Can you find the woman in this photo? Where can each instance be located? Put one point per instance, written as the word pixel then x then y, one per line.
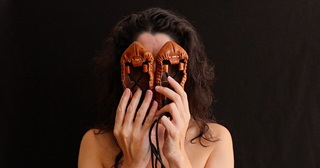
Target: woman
pixel 189 137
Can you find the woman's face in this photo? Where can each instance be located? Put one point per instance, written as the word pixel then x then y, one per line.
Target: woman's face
pixel 153 42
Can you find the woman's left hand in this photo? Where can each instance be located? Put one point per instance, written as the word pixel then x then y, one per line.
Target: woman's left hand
pixel 176 128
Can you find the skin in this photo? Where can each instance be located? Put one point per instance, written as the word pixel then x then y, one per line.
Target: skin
pixel 99 150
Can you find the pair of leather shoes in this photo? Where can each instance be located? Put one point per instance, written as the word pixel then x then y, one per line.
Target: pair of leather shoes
pixel 137 68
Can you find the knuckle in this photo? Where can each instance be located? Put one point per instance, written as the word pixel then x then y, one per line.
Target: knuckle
pixel 124 134
pixel 177 97
pixel 130 108
pixel 171 106
pixel 119 109
pixel 139 113
pixel 115 133
pixel 184 95
pixel 148 120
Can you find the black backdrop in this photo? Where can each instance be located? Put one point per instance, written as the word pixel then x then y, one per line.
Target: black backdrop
pixel 267 63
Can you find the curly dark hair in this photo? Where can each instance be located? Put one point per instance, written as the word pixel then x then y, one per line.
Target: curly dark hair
pixel 155 20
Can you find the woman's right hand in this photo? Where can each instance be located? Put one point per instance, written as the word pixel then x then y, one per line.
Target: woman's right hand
pixel 132 134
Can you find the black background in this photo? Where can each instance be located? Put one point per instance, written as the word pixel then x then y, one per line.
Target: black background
pixel 267 61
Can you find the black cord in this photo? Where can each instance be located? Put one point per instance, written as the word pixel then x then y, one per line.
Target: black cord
pixel 155 150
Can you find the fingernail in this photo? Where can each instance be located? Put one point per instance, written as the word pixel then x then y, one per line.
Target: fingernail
pixel 154 103
pixel 127 90
pixel 157 87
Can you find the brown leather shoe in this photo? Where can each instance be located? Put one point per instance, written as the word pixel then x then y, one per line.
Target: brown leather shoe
pixel 137 65
pixel 171 61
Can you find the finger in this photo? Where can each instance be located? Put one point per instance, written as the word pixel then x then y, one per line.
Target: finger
pixel 121 109
pixel 173 110
pixel 167 92
pixel 169 126
pixel 151 116
pixel 178 89
pixel 143 108
pixel 170 94
pixel 131 109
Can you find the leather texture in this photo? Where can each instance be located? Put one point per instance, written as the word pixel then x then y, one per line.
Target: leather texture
pixel 172 61
pixel 137 68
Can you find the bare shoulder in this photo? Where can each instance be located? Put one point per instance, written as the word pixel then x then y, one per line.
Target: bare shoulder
pixel 97 149
pixel 219 132
pixel 222 151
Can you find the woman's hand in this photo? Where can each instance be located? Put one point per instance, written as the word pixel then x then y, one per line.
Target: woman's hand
pixel 176 128
pixel 130 131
